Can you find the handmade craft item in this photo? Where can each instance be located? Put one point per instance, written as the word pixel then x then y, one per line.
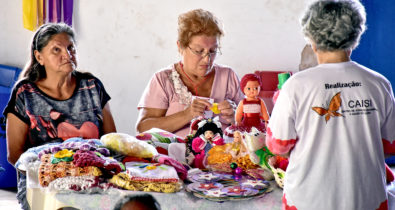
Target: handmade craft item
pixel 128 145
pixel 208 135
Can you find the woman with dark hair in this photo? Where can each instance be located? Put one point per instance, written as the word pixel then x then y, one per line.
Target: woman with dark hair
pixel 52 101
pixel 208 135
pixel 336 120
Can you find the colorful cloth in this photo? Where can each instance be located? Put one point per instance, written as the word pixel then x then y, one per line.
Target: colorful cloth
pixel 334 119
pixel 160 92
pixel 52 120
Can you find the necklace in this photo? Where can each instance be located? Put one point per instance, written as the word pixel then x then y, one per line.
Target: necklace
pixel 195 85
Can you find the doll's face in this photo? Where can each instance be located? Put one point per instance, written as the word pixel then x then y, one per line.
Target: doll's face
pixel 236 137
pixel 252 88
pixel 208 134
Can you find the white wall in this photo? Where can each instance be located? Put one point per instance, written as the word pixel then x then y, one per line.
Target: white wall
pixel 125 42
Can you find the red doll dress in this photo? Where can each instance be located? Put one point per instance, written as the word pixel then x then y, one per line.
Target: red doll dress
pixel 252 115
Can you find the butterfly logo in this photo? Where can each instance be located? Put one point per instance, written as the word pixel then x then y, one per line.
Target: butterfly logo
pixel 331 111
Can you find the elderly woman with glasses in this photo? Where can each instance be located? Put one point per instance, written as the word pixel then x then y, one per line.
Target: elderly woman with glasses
pixel 185 90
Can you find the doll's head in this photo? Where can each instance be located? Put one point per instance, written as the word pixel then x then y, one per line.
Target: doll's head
pixel 237 137
pixel 250 84
pixel 209 128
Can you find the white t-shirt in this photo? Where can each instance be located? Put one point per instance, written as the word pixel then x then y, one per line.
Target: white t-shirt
pixel 334 119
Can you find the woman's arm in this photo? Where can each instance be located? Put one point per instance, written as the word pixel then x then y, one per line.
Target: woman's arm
pixel 108 120
pixel 155 118
pixel 17 132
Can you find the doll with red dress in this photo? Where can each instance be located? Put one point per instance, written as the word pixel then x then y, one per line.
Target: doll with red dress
pixel 208 134
pixel 251 111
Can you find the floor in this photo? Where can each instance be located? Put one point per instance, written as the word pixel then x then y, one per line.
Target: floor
pixel 8 200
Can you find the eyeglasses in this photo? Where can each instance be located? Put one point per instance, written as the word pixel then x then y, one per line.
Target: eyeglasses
pixel 201 54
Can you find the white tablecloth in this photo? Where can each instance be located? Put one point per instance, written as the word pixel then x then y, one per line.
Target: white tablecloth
pixel 41 199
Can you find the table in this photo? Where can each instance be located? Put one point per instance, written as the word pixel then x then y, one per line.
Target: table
pixel 40 199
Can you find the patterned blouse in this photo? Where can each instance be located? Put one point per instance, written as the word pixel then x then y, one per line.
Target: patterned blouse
pixel 52 120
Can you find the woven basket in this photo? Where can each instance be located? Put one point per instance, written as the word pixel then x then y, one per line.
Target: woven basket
pixel 279 175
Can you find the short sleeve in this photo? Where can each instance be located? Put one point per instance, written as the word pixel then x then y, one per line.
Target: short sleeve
pixel 387 128
pixel 16 104
pixel 154 95
pixel 233 91
pixel 104 97
pixel 282 120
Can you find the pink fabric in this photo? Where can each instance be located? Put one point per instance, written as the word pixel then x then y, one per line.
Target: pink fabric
pixel 160 92
pixel 181 170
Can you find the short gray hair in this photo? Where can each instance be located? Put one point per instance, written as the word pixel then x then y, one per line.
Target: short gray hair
pixel 334 24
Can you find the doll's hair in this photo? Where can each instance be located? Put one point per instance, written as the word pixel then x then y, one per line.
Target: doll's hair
pixel 247 78
pixel 208 126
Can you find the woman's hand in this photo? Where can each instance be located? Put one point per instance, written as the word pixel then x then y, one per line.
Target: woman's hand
pixel 227 109
pixel 197 107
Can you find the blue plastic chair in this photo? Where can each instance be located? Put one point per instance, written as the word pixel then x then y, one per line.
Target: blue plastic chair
pixel 8 77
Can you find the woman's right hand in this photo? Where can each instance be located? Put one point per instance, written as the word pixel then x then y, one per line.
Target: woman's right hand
pixel 197 107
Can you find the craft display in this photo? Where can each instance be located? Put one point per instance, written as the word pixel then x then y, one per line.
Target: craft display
pixel 49 170
pixel 155 177
pixel 81 184
pixel 216 186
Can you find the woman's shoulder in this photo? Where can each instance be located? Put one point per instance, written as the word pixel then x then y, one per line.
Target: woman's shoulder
pixel 25 84
pixel 165 71
pixel 223 68
pixel 87 77
pixel 84 75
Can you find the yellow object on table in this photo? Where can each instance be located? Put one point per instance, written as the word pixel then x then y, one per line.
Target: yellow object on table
pixel 215 109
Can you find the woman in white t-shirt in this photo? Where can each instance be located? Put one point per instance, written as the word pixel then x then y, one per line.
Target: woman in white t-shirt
pixel 336 120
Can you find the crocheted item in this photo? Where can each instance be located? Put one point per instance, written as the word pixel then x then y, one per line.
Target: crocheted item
pixel 123 180
pixel 83 184
pixel 76 144
pixel 89 158
pixel 48 172
pixel 128 145
pixel 151 172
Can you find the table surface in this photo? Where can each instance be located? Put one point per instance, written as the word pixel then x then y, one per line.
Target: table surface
pixel 42 199
pixel 39 198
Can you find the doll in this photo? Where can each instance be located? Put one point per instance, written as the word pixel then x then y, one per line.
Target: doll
pixel 251 111
pixel 208 135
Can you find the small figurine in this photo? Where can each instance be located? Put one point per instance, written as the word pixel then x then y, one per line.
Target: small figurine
pixel 238 148
pixel 251 111
pixel 208 135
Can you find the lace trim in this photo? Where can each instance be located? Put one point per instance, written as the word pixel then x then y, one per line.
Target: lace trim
pixel 185 97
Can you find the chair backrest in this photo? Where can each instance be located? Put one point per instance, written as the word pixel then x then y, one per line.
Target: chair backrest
pixel 8 75
pixel 269 81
